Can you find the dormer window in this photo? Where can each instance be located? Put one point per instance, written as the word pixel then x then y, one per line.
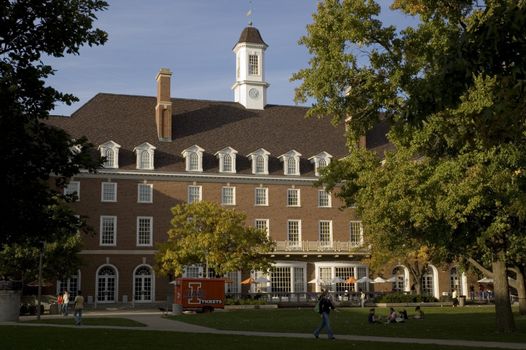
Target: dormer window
pixel 291 162
pixel 259 161
pixel 321 160
pixel 194 158
pixel 110 151
pixel 144 156
pixel 227 160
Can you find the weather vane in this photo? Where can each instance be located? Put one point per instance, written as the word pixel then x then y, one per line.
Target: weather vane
pixel 249 13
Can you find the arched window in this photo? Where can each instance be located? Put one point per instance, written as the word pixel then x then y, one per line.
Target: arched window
pixel 143 284
pixel 106 284
pixel 322 163
pixel 145 160
pixel 399 274
pixel 194 161
pixel 454 281
pixel 227 163
pixel 427 282
pixel 110 158
pixel 260 164
pixel 291 166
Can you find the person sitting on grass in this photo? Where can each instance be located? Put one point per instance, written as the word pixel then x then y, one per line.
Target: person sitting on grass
pixel 372 318
pixel 403 314
pixel 394 317
pixel 419 314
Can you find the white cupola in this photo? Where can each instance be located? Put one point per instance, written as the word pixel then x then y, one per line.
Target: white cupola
pixel 250 88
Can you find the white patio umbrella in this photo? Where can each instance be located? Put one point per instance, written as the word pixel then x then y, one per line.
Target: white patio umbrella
pixel 262 280
pixel 485 280
pixel 317 280
pixel 337 280
pixel 365 279
pixel 379 280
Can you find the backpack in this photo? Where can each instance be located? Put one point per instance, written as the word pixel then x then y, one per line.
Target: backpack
pixel 317 307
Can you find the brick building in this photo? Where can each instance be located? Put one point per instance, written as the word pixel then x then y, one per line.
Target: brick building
pixel 258 158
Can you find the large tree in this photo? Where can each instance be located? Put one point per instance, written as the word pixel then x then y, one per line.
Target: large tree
pixel 395 209
pixel 452 89
pixel 32 151
pixel 206 234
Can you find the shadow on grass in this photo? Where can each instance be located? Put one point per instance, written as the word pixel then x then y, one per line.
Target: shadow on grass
pixel 92 321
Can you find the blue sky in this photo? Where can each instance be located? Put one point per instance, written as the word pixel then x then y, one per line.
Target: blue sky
pixel 194 38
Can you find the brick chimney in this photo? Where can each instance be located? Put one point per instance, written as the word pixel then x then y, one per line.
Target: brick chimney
pixel 163 109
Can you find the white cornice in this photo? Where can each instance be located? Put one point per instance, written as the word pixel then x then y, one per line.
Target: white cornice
pixel 210 177
pixel 117 252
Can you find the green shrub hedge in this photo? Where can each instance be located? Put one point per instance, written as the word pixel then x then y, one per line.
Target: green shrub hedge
pixel 245 301
pixel 399 297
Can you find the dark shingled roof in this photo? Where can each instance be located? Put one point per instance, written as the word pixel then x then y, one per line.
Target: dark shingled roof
pixel 251 35
pixel 212 125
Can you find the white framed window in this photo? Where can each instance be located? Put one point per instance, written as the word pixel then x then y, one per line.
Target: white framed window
pixel 227 160
pixel 262 224
pixel 325 272
pixel 73 188
pixel 259 159
pixel 293 197
pixel 194 158
pixel 110 151
pixel 325 233
pixel 108 192
pixel 107 284
pixel 194 161
pixel 288 277
pixel 356 233
pixel 261 196
pixel 145 156
pixel 145 193
pixel 291 162
pixel 108 230
pixel 71 284
pixel 234 286
pixel 324 199
pixel 320 161
pixel 143 284
pixel 228 195
pixel 294 233
pixel 253 65
pixel 194 194
pixel 144 231
pixel 193 271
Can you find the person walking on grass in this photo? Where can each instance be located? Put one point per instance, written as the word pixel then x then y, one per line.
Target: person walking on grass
pixel 78 305
pixel 325 309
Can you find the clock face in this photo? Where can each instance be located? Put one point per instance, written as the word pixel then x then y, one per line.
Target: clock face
pixel 254 93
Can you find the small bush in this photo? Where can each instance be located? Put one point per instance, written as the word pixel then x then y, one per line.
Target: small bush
pixel 247 301
pixel 399 297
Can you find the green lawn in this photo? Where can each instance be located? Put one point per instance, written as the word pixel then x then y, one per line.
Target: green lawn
pixel 469 323
pixel 83 338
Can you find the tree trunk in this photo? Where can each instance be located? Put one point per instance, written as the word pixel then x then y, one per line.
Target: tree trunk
pixel 521 290
pixel 416 275
pixel 503 313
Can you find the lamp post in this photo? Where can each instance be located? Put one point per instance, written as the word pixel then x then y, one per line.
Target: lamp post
pixel 41 255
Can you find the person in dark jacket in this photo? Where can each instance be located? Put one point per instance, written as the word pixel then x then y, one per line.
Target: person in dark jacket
pixel 325 309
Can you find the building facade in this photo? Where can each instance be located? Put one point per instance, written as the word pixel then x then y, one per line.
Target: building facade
pixel 258 158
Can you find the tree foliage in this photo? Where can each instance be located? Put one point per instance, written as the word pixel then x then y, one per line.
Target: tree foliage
pixel 452 89
pixel 31 30
pixel 207 234
pixel 60 260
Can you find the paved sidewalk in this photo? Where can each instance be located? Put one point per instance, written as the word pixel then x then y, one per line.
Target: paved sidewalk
pixel 155 321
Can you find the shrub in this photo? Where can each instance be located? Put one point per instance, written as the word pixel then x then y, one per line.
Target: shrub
pixel 399 297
